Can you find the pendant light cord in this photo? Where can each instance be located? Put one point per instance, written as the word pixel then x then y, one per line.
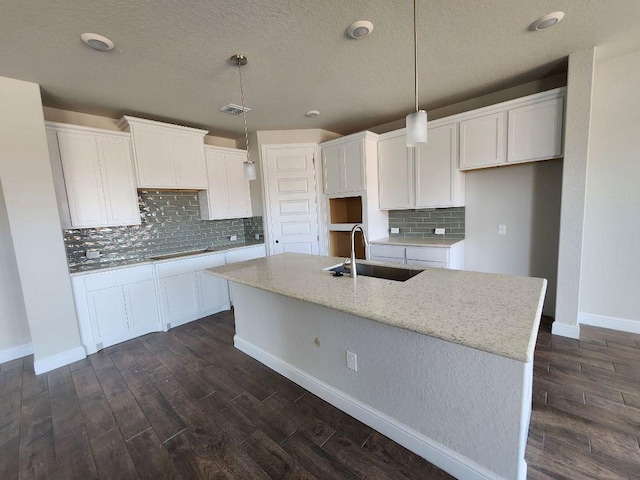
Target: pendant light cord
pixel 244 112
pixel 415 47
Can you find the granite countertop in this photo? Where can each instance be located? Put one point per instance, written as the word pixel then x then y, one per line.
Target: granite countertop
pixel 418 242
pixel 494 313
pixel 129 262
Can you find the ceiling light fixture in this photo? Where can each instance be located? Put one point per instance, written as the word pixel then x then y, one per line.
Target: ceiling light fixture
pixel 97 42
pixel 546 21
pixel 249 166
pixel 416 121
pixel 360 29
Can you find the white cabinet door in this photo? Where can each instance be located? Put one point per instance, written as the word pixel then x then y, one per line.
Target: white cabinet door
pixel 332 158
pixel 214 203
pixel 142 306
pixel 535 131
pixel 214 293
pixel 353 166
pixel 154 165
pixel 395 174
pixel 187 157
pixel 120 195
pixel 108 315
pixel 180 298
pixel 83 179
pixel 237 186
pixel 482 141
pixel 437 169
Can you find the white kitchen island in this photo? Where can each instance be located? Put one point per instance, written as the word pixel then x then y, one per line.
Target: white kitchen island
pixel 444 360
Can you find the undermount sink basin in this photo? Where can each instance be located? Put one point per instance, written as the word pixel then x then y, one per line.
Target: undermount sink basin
pixel 378 271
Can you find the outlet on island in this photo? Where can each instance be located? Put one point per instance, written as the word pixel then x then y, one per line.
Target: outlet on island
pixel 352 361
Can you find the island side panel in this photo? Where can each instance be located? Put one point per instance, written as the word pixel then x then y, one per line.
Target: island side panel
pixel 465 410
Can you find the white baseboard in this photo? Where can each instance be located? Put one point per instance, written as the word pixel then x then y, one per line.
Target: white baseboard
pixel 614 323
pixel 15 352
pixel 441 456
pixel 564 330
pixel 58 360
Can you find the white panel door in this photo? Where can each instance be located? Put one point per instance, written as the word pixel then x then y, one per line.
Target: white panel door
pixel 395 174
pixel 142 305
pixel 237 186
pixel 435 167
pixel 117 178
pixel 483 141
pixel 187 153
pixel 332 159
pixel 353 165
pixel 535 131
pixel 154 166
pixel 108 315
pixel 83 179
pixel 290 181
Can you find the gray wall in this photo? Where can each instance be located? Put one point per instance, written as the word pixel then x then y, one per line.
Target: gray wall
pixel 525 198
pixel 170 223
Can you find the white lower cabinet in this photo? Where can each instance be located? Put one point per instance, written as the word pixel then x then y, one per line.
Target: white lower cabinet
pixel 115 306
pixel 187 293
pixel 436 257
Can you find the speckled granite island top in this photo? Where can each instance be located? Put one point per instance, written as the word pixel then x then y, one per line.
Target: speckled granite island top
pixel 494 313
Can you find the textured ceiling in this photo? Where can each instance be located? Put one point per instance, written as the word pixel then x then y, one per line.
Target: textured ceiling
pixel 171 61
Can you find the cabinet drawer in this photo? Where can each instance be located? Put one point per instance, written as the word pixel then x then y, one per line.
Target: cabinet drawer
pixel 427 263
pixel 431 254
pixel 387 259
pixel 98 281
pixel 390 251
pixel 178 267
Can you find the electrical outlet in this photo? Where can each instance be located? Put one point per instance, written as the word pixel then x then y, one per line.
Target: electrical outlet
pixel 258 236
pixel 352 361
pixel 92 254
pixel 440 231
pixel 502 229
pixel 395 230
pixel 232 237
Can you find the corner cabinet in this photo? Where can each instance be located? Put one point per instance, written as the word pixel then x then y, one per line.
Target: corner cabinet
pixel 420 177
pixel 93 176
pixel 166 155
pixel 115 306
pixel 227 194
pixel 526 129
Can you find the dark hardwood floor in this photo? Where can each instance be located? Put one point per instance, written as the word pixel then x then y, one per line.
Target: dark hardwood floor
pixel 187 404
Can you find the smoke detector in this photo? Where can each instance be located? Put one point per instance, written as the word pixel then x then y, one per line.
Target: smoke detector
pixel 360 29
pixel 546 21
pixel 97 42
pixel 234 109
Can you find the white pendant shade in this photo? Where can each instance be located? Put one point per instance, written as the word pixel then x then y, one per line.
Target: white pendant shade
pixel 250 170
pixel 417 128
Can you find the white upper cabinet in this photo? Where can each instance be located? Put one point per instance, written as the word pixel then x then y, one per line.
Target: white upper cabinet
pixel 93 176
pixel 395 172
pixel 343 163
pixel 527 129
pixel 420 177
pixel 438 181
pixel 482 141
pixel 167 156
pixel 535 131
pixel 227 194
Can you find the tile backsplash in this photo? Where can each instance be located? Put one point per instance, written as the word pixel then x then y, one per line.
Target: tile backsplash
pixel 170 223
pixel 423 222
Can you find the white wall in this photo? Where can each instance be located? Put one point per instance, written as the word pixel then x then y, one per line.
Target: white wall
pixel 525 198
pixel 14 329
pixel 610 284
pixel 34 223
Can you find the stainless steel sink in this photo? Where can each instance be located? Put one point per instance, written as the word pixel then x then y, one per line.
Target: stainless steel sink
pixel 378 271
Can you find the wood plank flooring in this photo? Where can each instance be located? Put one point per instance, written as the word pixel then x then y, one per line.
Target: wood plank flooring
pixel 187 404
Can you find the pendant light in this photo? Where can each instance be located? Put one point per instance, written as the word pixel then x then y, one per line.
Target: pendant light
pixel 249 165
pixel 416 121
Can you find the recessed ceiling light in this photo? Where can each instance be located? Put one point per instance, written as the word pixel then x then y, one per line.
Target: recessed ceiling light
pixel 546 21
pixel 97 41
pixel 312 113
pixel 360 29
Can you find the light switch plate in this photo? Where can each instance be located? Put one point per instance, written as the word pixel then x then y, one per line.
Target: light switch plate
pixel 502 229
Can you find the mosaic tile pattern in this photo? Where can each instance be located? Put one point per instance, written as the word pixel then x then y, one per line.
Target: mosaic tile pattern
pixel 423 222
pixel 170 223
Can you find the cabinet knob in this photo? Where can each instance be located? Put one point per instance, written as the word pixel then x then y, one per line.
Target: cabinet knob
pixel 277 241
